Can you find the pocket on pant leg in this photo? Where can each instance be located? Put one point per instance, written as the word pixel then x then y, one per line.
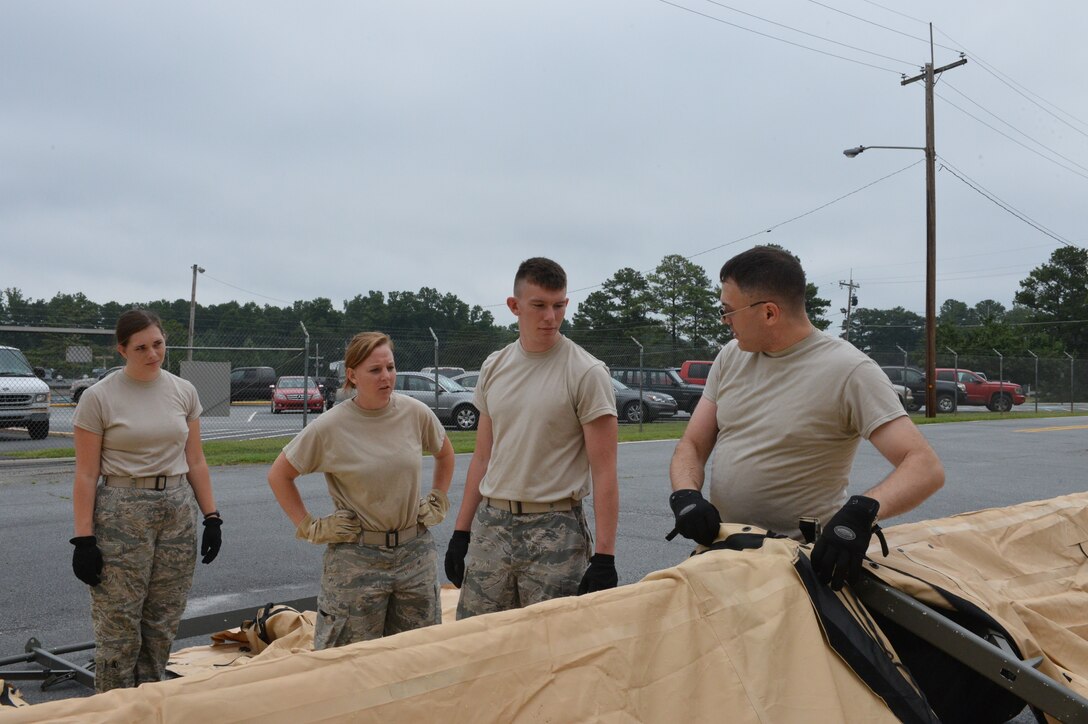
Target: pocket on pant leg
pixel 330 630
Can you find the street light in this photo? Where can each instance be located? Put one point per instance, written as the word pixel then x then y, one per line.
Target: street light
pixel 852 152
pixel 192 310
pixel 929 74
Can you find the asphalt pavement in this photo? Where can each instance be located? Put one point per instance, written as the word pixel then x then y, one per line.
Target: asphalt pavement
pixel 988 464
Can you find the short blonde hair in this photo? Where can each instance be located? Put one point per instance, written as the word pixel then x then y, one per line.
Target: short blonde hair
pixel 359 348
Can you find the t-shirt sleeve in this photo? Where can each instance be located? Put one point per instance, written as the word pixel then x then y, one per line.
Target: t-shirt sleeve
pixel 89 413
pixel 869 400
pixel 193 409
pixel 306 451
pixel 596 397
pixel 433 432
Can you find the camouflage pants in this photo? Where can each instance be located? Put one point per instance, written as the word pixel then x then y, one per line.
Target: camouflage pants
pixel 148 543
pixel 370 591
pixel 518 560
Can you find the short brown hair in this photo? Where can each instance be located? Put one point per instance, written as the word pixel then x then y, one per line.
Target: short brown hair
pixel 359 348
pixel 545 273
pixel 768 270
pixel 133 321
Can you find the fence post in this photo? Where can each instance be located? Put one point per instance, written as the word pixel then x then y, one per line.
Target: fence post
pixel 1071 412
pixel 955 379
pixel 1001 376
pixel 306 376
pixel 436 387
pixel 641 402
pixel 1036 379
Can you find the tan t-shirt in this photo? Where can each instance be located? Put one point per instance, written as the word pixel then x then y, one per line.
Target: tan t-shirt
pixel 789 424
pixel 538 402
pixel 372 459
pixel 144 425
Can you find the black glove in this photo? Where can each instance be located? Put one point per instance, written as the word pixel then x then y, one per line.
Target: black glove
pixel 87 559
pixel 212 539
pixel 455 556
pixel 600 575
pixel 696 517
pixel 840 549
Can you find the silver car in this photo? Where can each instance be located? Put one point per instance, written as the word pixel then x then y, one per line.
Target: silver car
pixel 451 402
pixel 654 404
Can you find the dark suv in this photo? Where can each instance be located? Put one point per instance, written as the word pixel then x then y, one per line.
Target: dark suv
pixel 661 379
pixel 252 383
pixel 949 394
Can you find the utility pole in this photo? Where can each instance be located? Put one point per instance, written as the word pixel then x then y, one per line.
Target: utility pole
pixel 929 75
pixel 192 310
pixel 851 300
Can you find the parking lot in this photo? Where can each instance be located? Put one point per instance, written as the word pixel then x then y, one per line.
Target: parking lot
pixel 988 463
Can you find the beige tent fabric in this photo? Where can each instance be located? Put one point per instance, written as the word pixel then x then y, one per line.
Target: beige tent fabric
pixel 728 635
pixel 724 635
pixel 1026 566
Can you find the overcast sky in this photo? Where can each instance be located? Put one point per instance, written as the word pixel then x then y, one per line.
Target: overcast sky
pixel 326 149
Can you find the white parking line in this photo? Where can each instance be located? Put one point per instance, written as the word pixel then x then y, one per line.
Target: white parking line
pixel 250 418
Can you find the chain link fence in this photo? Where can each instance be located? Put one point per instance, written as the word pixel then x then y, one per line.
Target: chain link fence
pixel 235 408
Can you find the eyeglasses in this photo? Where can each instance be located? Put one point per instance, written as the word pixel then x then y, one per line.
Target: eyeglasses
pixel 726 315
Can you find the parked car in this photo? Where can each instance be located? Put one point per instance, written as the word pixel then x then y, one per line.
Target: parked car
pixel 468 379
pixel 949 393
pixel 653 405
pixel 905 395
pixel 79 385
pixel 997 396
pixel 661 379
pixel 291 393
pixel 24 397
pixel 694 371
pixel 251 383
pixel 453 403
pixel 444 371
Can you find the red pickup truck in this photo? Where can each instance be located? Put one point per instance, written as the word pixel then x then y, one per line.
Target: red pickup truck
pixel 998 396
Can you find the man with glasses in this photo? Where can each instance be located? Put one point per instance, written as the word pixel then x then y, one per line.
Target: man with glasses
pixel 784 409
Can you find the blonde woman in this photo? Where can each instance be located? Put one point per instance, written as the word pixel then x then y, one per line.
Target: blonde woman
pixel 380 573
pixel 135 533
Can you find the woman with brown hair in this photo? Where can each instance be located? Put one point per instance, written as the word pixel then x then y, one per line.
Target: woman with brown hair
pixel 137 431
pixel 380 574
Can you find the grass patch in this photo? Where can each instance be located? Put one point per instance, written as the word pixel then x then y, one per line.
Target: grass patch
pixel 264 452
pixel 919 418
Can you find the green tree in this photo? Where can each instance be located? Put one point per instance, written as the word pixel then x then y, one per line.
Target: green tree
pixel 682 294
pixel 876 331
pixel 1057 292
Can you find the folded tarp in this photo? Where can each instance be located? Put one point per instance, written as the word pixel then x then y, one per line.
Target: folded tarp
pixel 728 635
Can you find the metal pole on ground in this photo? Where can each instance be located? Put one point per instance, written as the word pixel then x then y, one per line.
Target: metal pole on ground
pixel 641 402
pixel 1036 395
pixel 305 375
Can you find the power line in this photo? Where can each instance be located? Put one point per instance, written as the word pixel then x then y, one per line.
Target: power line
pixel 908 17
pixel 811 35
pixel 775 226
pixel 1018 143
pixel 1001 120
pixel 998 202
pixel 1014 86
pixel 884 27
pixel 774 37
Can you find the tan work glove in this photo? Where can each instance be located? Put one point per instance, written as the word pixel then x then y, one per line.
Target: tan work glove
pixel 343 526
pixel 433 508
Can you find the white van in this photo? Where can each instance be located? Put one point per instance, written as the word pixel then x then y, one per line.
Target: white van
pixel 24 398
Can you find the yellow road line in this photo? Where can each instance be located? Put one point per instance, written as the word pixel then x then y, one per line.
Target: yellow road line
pixel 1054 429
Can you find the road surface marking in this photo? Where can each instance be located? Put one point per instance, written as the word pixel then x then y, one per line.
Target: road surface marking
pixel 1055 428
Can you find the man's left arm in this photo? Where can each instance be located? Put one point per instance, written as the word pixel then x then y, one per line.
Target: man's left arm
pixel 918 471
pixel 601 435
pixel 838 553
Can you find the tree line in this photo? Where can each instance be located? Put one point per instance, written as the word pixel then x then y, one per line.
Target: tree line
pixel 672 310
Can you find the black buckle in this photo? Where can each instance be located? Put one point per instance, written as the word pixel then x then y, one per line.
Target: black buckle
pixel 163 479
pixel 394 541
